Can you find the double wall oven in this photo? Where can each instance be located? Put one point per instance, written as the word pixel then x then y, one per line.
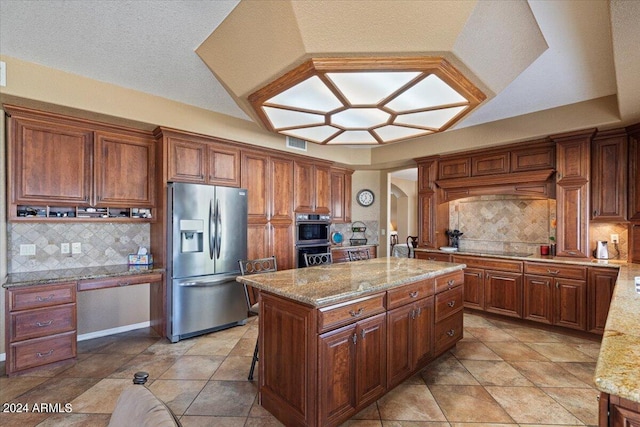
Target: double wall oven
pixel 312 235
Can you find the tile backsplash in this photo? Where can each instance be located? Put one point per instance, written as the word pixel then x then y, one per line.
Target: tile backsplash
pixel 371 232
pixel 503 223
pixel 101 244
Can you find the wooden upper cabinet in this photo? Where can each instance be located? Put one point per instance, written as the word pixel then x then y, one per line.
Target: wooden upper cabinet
pixel 609 176
pixel 572 193
pixel 490 164
pixel 539 155
pixel 634 174
pixel 255 178
pixel 283 189
pixel 186 160
pixel 201 160
pixel 124 170
pixel 427 202
pixel 224 166
pixel 341 195
pixel 49 162
pixel 459 167
pixel 312 192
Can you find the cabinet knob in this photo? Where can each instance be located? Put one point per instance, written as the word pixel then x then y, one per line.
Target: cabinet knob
pixel 451 332
pixel 451 303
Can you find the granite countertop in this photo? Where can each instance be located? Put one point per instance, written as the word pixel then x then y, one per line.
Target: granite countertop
pixel 618 367
pixel 75 274
pixel 532 257
pixel 328 284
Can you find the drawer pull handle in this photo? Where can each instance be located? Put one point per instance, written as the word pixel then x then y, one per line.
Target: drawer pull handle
pixel 431 259
pixel 123 283
pixel 413 294
pixel 42 324
pixel 356 313
pixel 553 271
pixel 48 353
pixel 451 303
pixel 45 299
pixel 450 283
pixel 419 311
pixel 451 332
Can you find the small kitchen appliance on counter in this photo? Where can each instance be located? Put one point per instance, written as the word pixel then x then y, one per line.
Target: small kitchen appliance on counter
pixel 601 251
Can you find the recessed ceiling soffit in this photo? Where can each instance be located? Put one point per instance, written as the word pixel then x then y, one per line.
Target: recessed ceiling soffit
pixel 260 43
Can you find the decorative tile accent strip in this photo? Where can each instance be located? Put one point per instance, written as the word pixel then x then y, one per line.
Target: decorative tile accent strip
pixel 101 243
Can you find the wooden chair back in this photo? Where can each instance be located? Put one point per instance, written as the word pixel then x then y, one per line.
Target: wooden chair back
pixel 318 259
pixel 358 254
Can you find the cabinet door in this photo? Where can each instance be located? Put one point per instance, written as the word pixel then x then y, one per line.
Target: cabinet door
pixel 427 214
pixel 599 291
pixel 258 237
pixel 124 170
pixel 187 161
pixel 281 244
pixel 474 288
pixel 223 166
pixel 503 293
pixel 400 363
pixel 322 200
pixel 570 301
pixel 422 336
pixel 371 361
pixel 609 177
pixel 304 181
pixel 535 158
pixel 337 374
pixel 340 196
pixel 572 195
pixel 490 164
pixel 50 163
pixel 454 168
pixel 634 173
pixel 255 178
pixel 538 302
pixel 283 189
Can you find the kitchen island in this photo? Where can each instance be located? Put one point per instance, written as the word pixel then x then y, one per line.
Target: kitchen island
pixel 335 338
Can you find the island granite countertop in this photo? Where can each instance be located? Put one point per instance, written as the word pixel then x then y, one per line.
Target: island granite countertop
pixel 328 284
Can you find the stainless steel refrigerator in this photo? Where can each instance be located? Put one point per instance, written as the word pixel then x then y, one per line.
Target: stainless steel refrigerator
pixel 207 236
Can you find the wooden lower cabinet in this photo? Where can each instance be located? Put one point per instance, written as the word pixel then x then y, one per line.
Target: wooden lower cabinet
pixel 503 293
pixel 352 371
pixel 41 325
pixel 615 411
pixel 347 355
pixel 340 254
pixel 474 288
pixel 600 284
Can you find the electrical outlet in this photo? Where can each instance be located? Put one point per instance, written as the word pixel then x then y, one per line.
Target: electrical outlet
pixel 76 248
pixel 28 249
pixel 3 73
pixel 615 238
pixel 64 248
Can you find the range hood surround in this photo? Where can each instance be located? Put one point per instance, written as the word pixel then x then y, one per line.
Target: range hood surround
pixel 537 183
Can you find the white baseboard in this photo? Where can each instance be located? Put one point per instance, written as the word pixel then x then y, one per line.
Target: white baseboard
pixel 118 330
pixel 103 333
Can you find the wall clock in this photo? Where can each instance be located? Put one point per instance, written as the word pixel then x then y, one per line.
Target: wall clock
pixel 365 197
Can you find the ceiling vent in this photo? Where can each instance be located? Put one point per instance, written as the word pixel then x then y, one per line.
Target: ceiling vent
pixel 296 143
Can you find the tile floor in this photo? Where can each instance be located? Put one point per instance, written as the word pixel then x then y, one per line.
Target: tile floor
pixel 502 373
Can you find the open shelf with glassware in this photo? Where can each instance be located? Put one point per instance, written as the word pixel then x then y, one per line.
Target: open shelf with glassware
pixel 80 213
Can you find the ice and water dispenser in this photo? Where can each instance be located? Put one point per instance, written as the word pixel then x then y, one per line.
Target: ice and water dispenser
pixel 191 235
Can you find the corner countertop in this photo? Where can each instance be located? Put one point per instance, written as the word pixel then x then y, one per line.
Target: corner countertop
pixel 74 274
pixel 328 284
pixel 618 368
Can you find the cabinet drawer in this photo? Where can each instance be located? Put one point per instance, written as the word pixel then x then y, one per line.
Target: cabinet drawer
pixel 42 322
pixel 449 281
pixel 42 351
pixel 409 293
pixel 448 332
pixel 448 302
pixel 114 282
pixel 433 256
pixel 350 311
pixel 41 296
pixel 556 270
pixel 489 263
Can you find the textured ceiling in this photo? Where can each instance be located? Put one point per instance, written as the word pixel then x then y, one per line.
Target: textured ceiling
pixel 150 46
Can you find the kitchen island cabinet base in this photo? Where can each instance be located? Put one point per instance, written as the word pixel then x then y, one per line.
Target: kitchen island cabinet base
pixel 315 374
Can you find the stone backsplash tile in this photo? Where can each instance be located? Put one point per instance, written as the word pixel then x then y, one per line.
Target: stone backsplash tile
pixel 102 244
pixel 371 233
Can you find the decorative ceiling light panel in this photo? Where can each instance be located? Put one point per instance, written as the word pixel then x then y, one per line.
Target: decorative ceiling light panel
pixel 366 100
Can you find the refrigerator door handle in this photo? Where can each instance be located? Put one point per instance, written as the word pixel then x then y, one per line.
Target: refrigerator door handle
pixel 211 229
pixel 218 229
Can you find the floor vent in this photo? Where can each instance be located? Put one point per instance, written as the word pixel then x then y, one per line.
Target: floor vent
pixel 296 143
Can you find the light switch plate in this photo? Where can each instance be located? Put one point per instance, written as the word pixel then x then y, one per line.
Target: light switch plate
pixel 64 248
pixel 76 248
pixel 3 73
